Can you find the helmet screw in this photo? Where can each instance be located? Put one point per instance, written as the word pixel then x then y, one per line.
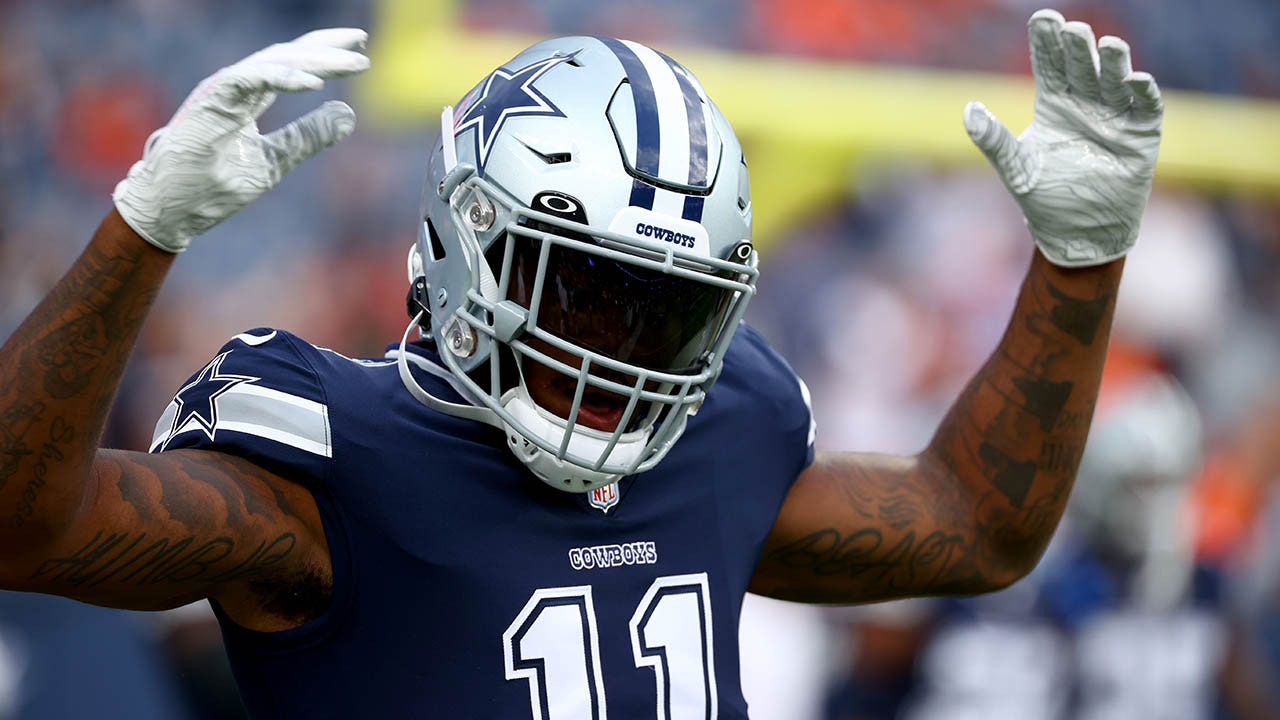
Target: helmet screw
pixel 481 215
pixel 461 338
pixel 442 297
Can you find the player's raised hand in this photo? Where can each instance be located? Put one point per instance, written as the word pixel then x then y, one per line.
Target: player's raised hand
pixel 1082 170
pixel 211 160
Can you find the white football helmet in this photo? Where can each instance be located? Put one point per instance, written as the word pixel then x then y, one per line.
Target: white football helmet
pixel 1134 482
pixel 587 211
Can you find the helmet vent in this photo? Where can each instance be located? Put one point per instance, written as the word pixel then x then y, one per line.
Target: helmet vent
pixel 555 158
pixel 435 246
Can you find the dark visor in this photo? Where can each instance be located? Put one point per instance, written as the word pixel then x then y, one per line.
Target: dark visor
pixel 631 314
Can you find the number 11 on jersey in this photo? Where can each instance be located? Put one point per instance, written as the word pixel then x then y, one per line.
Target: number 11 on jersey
pixel 553 644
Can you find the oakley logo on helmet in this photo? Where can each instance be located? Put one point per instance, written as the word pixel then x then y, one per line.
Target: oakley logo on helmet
pixel 557 203
pixel 560 205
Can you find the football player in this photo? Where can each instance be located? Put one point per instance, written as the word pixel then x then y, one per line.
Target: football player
pixel 551 505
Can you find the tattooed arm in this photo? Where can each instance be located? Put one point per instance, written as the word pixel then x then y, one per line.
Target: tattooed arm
pixel 129 529
pixel 974 511
pixel 58 374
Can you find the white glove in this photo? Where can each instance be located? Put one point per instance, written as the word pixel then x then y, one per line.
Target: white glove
pixel 1082 170
pixel 210 160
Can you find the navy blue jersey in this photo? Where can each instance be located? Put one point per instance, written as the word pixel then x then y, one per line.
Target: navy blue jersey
pixel 464 587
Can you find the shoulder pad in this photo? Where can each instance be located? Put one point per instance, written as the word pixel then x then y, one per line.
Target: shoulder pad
pixel 754 365
pixel 259 398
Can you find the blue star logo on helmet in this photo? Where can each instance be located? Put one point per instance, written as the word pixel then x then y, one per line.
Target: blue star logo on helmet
pixel 502 96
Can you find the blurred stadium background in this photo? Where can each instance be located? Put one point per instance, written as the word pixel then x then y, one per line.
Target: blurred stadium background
pixel 891 258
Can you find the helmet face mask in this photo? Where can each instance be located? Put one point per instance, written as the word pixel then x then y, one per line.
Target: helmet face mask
pixel 630 313
pixel 589 326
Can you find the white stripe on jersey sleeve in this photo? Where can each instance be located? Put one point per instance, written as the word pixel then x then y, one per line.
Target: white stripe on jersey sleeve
pixel 164 425
pixel 277 396
pixel 261 411
pixel 808 405
pixel 307 444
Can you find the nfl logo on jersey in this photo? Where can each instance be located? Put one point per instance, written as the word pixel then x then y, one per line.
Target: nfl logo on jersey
pixel 604 497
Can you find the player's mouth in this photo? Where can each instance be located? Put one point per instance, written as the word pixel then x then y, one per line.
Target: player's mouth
pixel 554 391
pixel 601 410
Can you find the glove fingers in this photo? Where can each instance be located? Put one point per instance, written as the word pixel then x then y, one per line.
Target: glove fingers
pixel 1048 62
pixel 261 77
pixel 998 144
pixel 308 135
pixel 1115 66
pixel 242 92
pixel 344 38
pixel 153 139
pixel 1082 59
pixel 319 60
pixel 1146 95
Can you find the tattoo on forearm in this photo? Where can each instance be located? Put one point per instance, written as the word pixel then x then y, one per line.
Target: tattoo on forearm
pixel 70 362
pixel 1041 515
pixel 73 348
pixel 60 435
pixel 1073 423
pixel 976 509
pixel 94 306
pixel 1030 441
pixel 1059 455
pixel 1011 477
pixel 15 423
pixel 134 559
pixel 1045 398
pixel 1078 317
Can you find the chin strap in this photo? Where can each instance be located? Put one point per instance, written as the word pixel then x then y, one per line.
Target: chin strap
pixel 581 441
pixel 447 141
pixel 556 473
pixel 470 412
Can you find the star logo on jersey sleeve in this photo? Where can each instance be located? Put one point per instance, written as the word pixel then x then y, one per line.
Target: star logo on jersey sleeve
pixel 502 96
pixel 197 402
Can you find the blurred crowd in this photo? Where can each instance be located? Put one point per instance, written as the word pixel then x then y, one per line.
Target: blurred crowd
pixel 1222 47
pixel 885 304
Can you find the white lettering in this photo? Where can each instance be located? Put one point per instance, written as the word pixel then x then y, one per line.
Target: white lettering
pixel 600 556
pixel 606 556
